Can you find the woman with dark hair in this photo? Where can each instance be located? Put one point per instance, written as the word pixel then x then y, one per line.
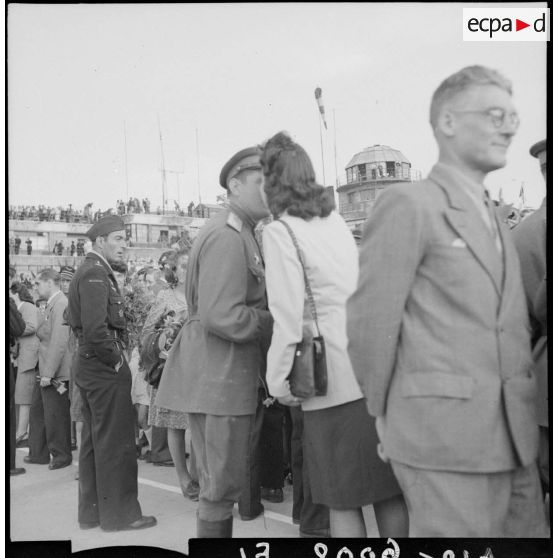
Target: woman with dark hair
pixel 340 438
pixel 27 359
pixel 166 316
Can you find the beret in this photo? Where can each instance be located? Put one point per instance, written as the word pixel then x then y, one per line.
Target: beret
pixel 106 225
pixel 248 158
pixel 536 148
pixel 67 272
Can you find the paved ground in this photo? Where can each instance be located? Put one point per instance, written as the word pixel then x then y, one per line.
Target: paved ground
pixel 44 507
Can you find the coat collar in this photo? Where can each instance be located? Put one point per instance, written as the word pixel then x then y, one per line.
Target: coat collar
pixel 102 261
pixel 467 222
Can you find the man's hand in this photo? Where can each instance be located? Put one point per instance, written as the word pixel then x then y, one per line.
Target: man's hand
pixel 289 400
pixel 45 381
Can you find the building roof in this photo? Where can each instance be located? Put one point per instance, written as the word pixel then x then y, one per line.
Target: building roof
pixel 375 154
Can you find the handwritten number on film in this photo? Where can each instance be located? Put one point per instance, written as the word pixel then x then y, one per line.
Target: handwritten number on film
pixel 321 551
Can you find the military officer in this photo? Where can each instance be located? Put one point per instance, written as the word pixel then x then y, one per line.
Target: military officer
pixel 530 241
pixel 108 485
pixel 213 368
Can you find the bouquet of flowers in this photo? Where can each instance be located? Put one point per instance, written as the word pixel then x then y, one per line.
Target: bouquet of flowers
pixel 138 300
pixel 158 344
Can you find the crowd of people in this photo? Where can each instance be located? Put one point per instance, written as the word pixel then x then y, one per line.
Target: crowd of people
pixel 406 370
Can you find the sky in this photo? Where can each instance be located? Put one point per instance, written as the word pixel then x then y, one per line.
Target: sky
pixel 89 87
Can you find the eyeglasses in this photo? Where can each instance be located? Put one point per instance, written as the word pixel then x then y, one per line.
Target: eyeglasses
pixel 497 115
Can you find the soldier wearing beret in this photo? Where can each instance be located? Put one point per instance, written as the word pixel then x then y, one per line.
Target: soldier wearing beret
pixel 530 241
pixel 213 367
pixel 108 484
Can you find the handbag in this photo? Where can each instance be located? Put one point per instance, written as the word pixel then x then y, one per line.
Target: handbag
pixel 308 375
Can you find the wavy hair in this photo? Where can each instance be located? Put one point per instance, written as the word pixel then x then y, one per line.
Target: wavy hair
pixel 21 290
pixel 290 180
pixel 169 264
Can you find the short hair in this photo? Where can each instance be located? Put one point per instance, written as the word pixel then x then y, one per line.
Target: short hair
pixel 290 180
pixel 23 292
pixel 460 81
pixel 49 273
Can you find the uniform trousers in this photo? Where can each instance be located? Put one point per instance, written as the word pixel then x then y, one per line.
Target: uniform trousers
pixel 50 425
pixel 471 505
pixel 250 498
pixel 271 447
pixel 222 446
pixel 108 469
pixel 11 377
pixel 312 517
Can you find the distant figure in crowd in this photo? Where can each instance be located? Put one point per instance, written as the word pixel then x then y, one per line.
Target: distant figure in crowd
pixel 340 440
pixel 17 327
pixel 439 334
pixel 72 248
pixel 66 275
pixel 17 244
pixel 108 470
pixel 49 419
pixel 29 243
pixel 27 359
pixel 530 241
pixel 217 358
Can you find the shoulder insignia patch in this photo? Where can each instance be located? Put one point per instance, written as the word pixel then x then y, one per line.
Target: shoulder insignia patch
pixel 95 281
pixel 234 221
pixel 97 262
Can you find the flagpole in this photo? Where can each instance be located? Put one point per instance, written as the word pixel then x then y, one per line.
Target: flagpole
pixel 322 148
pixel 198 161
pixel 335 149
pixel 126 159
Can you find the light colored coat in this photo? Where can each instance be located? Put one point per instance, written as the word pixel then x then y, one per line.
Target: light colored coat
pixel 28 353
pixel 331 262
pixel 439 334
pixel 54 352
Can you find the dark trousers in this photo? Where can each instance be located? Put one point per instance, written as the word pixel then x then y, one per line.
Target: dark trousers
pixel 250 498
pixel 312 516
pixel 159 445
pixel 221 444
pixel 108 469
pixel 271 447
pixel 49 425
pixel 11 377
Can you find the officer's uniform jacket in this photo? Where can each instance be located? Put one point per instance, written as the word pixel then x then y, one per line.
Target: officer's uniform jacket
pixel 530 239
pixel 96 311
pixel 216 359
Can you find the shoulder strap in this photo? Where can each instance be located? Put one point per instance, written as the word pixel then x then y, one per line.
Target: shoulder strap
pixel 306 281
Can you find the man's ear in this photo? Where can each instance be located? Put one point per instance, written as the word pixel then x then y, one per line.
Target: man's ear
pixel 234 186
pixel 446 122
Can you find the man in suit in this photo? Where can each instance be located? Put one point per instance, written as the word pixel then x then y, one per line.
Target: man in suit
pixel 439 334
pixel 530 241
pixel 49 417
pixel 108 470
pixel 228 324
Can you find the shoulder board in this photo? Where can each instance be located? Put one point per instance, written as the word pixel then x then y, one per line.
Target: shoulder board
pixel 234 221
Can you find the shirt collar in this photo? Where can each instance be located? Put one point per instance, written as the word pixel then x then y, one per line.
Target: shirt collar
pixel 471 187
pixel 101 256
pixel 52 296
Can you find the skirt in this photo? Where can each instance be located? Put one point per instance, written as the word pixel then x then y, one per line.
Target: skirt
pixel 25 383
pixel 340 448
pixel 165 418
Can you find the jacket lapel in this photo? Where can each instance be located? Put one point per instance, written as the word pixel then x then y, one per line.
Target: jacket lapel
pixel 464 218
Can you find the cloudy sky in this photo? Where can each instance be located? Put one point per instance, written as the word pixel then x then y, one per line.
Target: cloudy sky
pixel 78 75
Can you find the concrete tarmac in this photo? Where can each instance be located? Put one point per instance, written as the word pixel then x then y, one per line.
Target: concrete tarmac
pixel 43 507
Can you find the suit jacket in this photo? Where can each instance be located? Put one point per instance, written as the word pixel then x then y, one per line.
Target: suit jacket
pixel 530 240
pixel 215 362
pixel 54 353
pixel 28 354
pixel 439 334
